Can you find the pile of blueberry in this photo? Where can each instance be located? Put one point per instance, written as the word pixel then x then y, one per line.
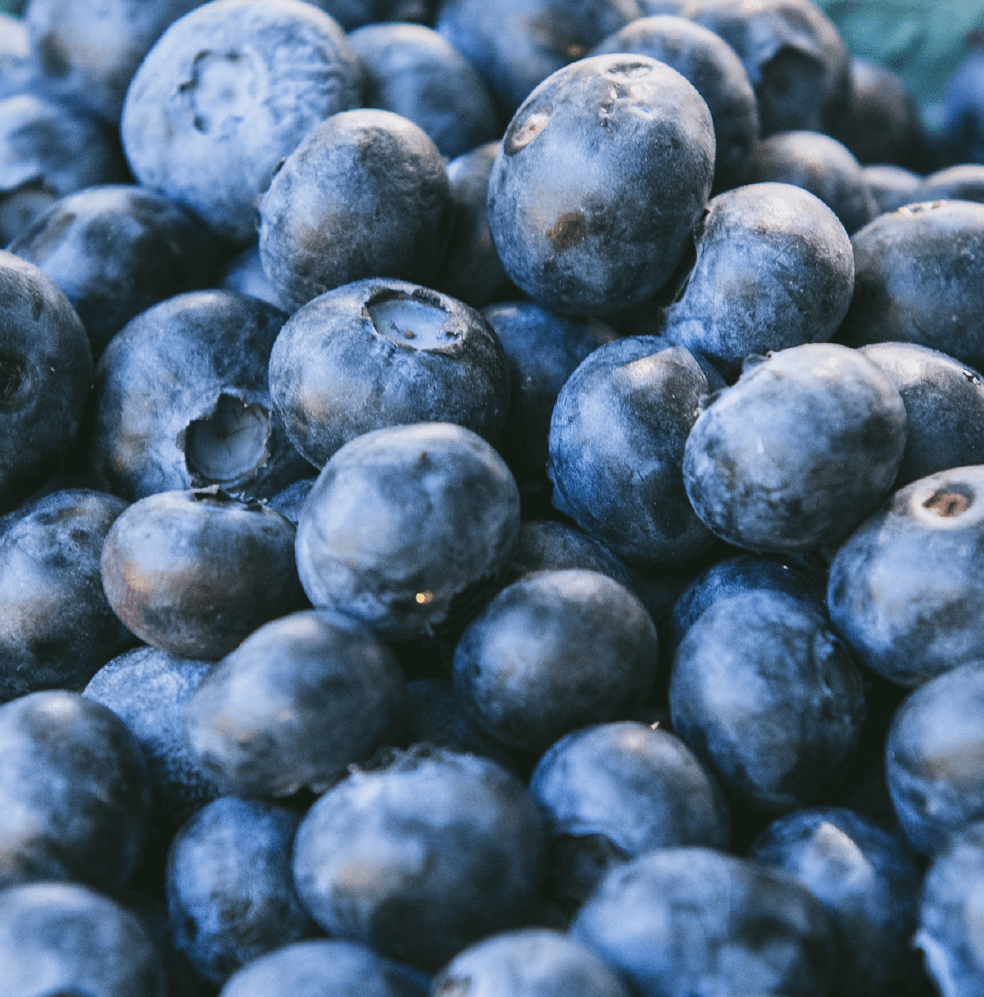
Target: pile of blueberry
pixel 491 505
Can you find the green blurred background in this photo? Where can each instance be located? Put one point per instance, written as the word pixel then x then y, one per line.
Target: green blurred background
pixel 12 6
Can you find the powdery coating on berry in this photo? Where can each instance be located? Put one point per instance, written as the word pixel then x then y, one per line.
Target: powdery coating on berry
pixel 603 172
pixel 798 452
pixel 365 194
pixel 225 93
pixel 422 856
pixel 404 523
pixel 906 589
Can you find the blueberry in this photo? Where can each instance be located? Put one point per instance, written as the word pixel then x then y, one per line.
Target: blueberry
pixel 617 437
pixel 415 72
pixel 893 187
pixel 552 652
pixel 472 270
pixel 915 280
pixel 795 59
pixel 290 500
pixel 422 856
pixel 543 350
pixel 364 194
pixel 883 125
pixel 534 962
pixel 322 969
pixel 149 689
pixel 821 165
pixel 182 401
pixel 905 589
pixel 604 171
pixel 407 526
pixel 383 353
pixel 944 408
pixel 963 182
pixel 546 545
pixel 56 627
pixel 963 110
pixel 194 573
pixel 950 913
pixel 437 714
pixel 516 44
pixel 798 452
pixel 297 702
pixel 773 269
pixel 935 757
pixel 745 573
pixel 116 250
pixel 86 54
pixel 614 791
pixel 48 150
pixel 245 275
pixel 74 792
pixel 867 881
pixel 45 377
pixel 66 940
pixel 683 921
pixel 230 897
pixel 766 694
pixel 713 67
pixel 15 73
pixel 225 93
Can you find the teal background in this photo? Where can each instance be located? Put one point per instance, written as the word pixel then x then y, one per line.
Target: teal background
pixel 11 6
pixel 922 40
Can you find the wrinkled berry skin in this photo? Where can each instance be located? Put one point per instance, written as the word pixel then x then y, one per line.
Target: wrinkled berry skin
pixel 944 408
pixel 603 172
pixel 553 652
pixel 230 898
pixel 74 792
pixel 48 150
pixel 45 378
pixel 56 627
pixel 543 350
pixel 683 921
pixel 821 165
pixel 906 590
pixel 531 962
pixel 406 526
pixel 798 452
pixel 194 573
pixel 916 280
pixel 616 444
pixel 297 702
pixel 421 857
pixel 774 269
pixel 86 54
pixel 614 791
pixel 66 939
pixel 415 72
pixel 364 194
pixel 950 915
pixel 317 968
pixel 765 693
pixel 516 44
pixel 149 689
pixel 225 93
pixel 116 250
pixel 934 758
pixel 385 353
pixel 713 67
pixel 867 881
pixel 182 401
